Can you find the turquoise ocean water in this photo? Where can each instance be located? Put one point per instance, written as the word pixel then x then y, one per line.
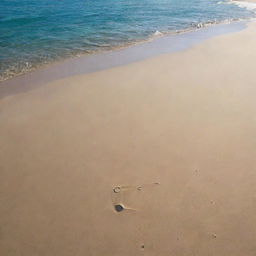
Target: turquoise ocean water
pixel 36 32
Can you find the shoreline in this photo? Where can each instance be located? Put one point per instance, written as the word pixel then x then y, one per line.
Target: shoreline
pixel 118 57
pixel 154 36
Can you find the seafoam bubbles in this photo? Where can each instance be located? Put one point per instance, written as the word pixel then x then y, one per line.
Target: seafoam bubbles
pixel 243 4
pixel 158 33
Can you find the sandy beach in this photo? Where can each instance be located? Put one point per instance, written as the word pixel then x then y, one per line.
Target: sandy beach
pixel 152 158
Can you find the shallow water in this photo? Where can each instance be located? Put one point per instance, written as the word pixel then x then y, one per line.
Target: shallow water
pixel 33 33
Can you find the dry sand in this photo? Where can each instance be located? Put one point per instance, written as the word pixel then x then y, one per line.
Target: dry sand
pixel 186 121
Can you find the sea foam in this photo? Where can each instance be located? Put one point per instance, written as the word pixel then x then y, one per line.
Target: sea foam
pixel 247 5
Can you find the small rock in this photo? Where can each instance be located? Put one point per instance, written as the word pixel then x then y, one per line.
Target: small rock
pixel 119 207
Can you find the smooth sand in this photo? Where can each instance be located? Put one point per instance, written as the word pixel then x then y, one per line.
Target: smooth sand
pixel 185 121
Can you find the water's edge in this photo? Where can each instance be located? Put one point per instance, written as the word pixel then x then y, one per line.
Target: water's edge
pixel 105 60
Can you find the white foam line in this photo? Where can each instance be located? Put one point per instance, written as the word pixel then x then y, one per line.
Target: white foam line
pixel 247 5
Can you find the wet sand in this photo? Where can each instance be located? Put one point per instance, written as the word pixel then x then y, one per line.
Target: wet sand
pixel 152 158
pixel 106 60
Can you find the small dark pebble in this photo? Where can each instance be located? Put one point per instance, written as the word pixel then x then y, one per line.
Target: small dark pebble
pixel 119 207
pixel 142 246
